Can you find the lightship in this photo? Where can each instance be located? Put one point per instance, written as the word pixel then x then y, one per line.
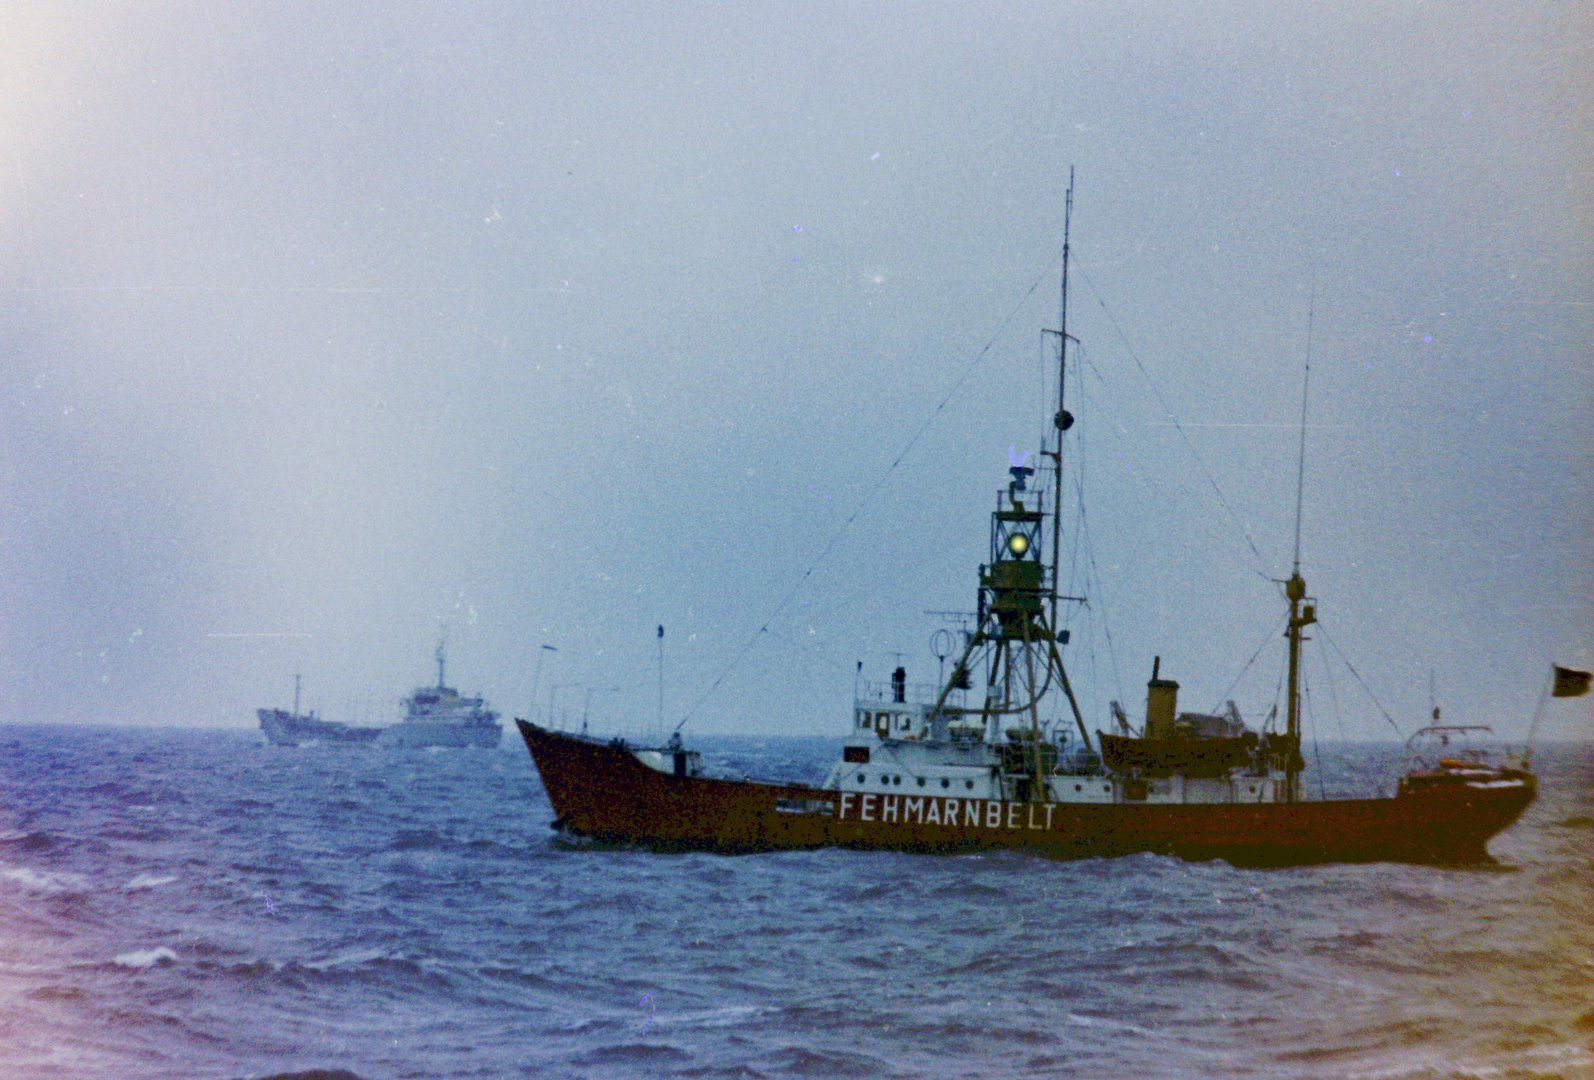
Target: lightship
pixel 970 767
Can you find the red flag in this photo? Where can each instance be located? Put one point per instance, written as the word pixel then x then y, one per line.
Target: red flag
pixel 1570 683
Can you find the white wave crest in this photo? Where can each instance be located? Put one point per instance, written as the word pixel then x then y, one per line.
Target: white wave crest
pixel 149 881
pixel 43 881
pixel 145 958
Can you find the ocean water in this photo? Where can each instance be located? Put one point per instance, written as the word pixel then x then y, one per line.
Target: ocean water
pixel 197 904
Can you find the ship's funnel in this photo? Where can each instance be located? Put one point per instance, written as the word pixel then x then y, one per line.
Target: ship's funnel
pixel 1162 702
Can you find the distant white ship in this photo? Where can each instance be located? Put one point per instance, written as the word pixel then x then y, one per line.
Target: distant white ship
pixel 439 716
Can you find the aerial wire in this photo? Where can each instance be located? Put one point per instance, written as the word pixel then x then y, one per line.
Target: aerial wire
pixel 868 497
pixel 1168 409
pixel 1330 639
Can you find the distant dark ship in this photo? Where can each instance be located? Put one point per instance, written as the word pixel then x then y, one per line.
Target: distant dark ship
pixel 439 716
pixel 283 728
pixel 971 766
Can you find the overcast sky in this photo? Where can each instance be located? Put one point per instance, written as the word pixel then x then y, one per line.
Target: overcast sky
pixel 343 323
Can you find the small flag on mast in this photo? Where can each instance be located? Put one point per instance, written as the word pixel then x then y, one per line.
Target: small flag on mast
pixel 1570 683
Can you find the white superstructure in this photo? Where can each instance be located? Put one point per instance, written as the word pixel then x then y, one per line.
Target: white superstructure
pixel 440 716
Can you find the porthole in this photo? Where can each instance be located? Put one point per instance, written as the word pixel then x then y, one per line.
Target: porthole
pixel 921 781
pixel 1107 788
pixel 1253 789
pixel 886 780
pixel 897 780
pixel 945 782
pixel 862 778
pixel 969 784
pixel 1078 788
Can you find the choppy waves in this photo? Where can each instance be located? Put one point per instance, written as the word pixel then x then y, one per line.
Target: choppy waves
pixel 196 904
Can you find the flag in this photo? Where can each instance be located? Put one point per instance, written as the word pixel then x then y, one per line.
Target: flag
pixel 1570 683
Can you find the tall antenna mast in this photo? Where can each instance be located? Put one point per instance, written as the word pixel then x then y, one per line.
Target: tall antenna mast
pixel 1063 421
pixel 1300 465
pixel 1295 587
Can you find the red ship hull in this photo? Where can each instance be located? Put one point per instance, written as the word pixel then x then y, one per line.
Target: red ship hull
pixel 600 790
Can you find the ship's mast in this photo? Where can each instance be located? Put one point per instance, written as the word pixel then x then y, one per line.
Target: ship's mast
pixel 441 657
pixel 1063 421
pixel 1301 616
pixel 297 679
pixel 1017 604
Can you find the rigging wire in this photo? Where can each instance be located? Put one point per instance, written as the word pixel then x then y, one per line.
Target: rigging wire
pixel 868 497
pixel 1317 751
pixel 814 651
pixel 1230 691
pixel 1090 556
pixel 1330 639
pixel 1093 582
pixel 1095 578
pixel 1246 533
pixel 1272 716
pixel 1328 673
pixel 1101 606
